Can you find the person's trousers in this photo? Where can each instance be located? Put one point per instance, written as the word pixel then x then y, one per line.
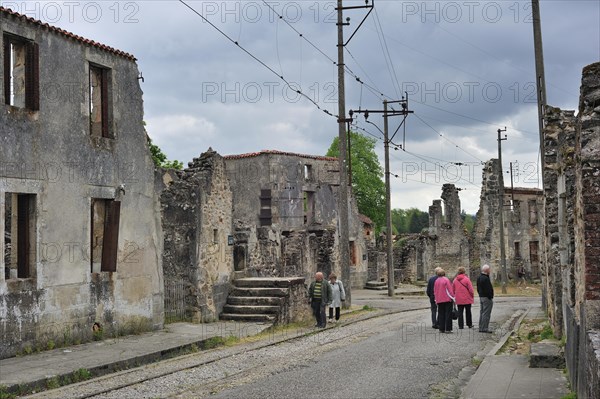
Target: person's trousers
pixel 337 313
pixel 485 313
pixel 465 309
pixel 434 310
pixel 445 316
pixel 319 312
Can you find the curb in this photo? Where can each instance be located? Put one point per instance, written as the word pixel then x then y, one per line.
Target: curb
pixel 126 366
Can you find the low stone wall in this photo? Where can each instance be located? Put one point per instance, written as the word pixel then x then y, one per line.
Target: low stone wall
pixel 591 370
pixel 295 307
pixel 357 279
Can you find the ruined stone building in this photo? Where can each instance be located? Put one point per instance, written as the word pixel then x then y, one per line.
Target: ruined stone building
pixel 285 217
pixel 78 211
pixel 572 232
pixel 445 244
pixel 523 216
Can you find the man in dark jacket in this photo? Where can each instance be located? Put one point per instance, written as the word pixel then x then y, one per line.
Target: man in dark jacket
pixel 486 296
pixel 320 296
pixel 430 284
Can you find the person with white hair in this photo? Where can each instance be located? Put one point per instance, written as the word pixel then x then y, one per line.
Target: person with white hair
pixel 319 294
pixel 486 298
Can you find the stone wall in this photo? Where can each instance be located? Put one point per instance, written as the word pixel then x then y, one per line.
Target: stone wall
pixel 285 217
pixel 51 155
pixel 572 192
pixel 196 218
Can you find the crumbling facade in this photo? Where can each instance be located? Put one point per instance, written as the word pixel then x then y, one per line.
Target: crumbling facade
pixel 285 217
pixel 198 255
pixel 572 232
pixel 80 232
pixel 523 214
pixel 445 244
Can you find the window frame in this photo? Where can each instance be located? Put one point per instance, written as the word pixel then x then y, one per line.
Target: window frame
pixel 31 71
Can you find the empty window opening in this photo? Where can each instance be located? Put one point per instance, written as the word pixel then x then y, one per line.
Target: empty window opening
pixel 215 236
pixel 353 253
pixel 309 207
pixel 99 102
pixel 21 73
pixel 19 235
pixel 517 249
pixel 533 212
pixel 308 172
pixel 105 215
pixel 534 259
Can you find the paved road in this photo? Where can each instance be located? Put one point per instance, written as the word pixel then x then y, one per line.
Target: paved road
pixel 394 356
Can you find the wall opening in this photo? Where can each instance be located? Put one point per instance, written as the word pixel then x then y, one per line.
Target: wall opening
pixel 309 207
pixel 21 73
pixel 534 259
pixel 105 215
pixel 19 235
pixel 99 106
pixel 517 249
pixel 265 216
pixel 533 212
pixel 353 253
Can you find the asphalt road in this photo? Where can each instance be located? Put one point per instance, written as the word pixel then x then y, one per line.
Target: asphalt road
pixel 395 356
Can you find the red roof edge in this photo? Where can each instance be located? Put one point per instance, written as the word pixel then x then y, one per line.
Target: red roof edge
pixel 65 33
pixel 276 152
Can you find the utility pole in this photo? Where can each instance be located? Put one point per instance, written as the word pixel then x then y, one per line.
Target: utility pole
pixel 388 203
pixel 501 212
pixel 343 143
pixel 540 79
pixel 343 197
pixel 388 197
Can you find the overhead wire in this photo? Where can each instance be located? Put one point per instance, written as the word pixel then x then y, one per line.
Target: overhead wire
pixel 280 76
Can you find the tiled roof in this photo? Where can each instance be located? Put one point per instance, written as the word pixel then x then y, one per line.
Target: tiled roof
pixel 365 219
pixel 523 190
pixel 88 42
pixel 275 152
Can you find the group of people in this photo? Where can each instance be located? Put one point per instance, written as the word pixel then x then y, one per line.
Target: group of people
pixel 323 294
pixel 446 296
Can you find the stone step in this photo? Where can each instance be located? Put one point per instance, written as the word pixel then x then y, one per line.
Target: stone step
pixel 248 317
pixel 261 292
pixel 255 300
pixel 250 309
pixel 267 282
pixel 546 354
pixel 376 284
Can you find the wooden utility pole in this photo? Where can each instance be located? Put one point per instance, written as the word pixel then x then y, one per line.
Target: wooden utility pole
pixel 388 203
pixel 501 212
pixel 343 165
pixel 388 197
pixel 540 79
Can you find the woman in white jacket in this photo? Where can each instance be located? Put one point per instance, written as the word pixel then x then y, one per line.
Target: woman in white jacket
pixel 339 296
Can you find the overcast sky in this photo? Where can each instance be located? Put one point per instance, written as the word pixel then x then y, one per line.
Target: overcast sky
pixel 468 67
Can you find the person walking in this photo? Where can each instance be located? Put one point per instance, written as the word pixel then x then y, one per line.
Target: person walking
pixel 434 309
pixel 463 290
pixel 319 294
pixel 444 295
pixel 486 298
pixel 339 296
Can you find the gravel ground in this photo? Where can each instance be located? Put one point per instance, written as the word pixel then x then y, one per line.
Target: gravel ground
pixel 397 356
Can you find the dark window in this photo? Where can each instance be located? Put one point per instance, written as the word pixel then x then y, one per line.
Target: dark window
pixel 265 216
pixel 517 249
pixel 534 259
pixel 308 172
pixel 100 102
pixel 19 235
pixel 21 73
pixel 105 215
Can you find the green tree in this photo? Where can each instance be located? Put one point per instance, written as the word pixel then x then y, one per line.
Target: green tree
pixel 468 221
pixel 367 174
pixel 160 159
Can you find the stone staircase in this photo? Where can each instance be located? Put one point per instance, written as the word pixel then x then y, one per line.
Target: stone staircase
pixel 259 299
pixel 376 285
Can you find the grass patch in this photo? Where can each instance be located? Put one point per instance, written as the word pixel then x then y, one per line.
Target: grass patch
pixel 368 308
pixel 4 394
pixel 571 395
pixel 81 375
pixel 215 342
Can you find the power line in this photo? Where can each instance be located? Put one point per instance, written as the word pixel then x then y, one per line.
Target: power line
pixel 280 76
pixel 386 54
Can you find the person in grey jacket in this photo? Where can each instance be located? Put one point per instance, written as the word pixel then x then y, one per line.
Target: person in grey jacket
pixel 339 296
pixel 320 295
pixel 486 297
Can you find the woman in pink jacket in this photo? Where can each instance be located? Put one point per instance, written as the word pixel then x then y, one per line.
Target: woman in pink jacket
pixel 444 295
pixel 464 297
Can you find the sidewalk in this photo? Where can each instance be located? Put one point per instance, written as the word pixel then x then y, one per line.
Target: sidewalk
pixel 509 376
pixel 110 355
